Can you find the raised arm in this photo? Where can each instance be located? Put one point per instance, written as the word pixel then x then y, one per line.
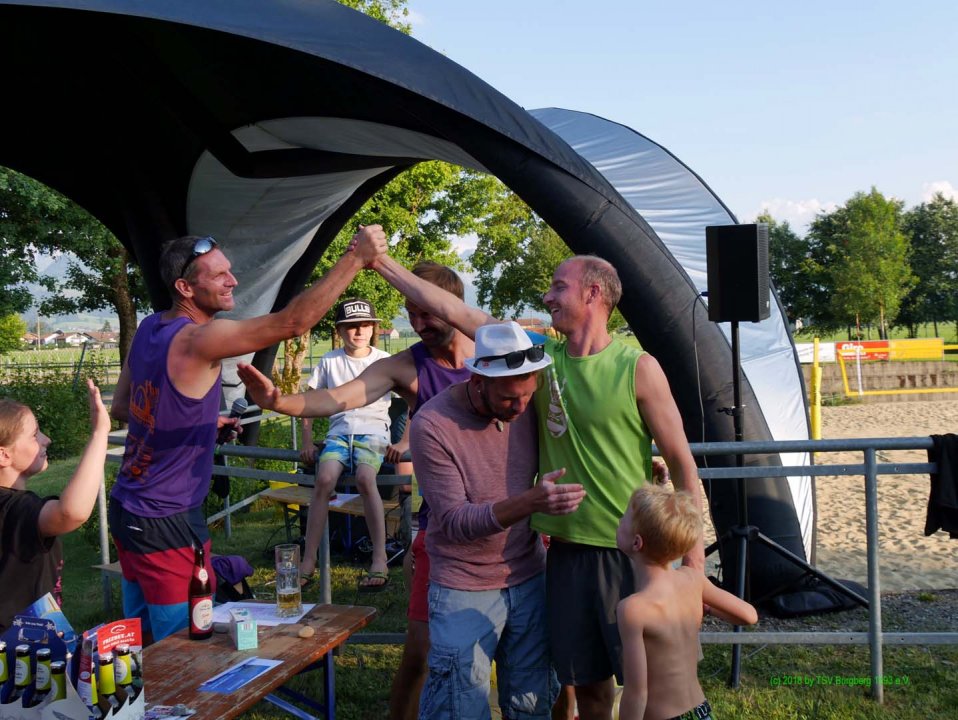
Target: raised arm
pixel 431 298
pixel 726 606
pixel 657 406
pixel 220 339
pixel 390 373
pixel 76 501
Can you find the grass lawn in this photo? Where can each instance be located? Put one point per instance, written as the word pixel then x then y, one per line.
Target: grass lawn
pixel 927 676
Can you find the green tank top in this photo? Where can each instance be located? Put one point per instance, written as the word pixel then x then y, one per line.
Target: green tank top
pixel 589 424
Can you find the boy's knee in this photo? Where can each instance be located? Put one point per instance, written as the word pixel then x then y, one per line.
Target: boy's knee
pixel 325 484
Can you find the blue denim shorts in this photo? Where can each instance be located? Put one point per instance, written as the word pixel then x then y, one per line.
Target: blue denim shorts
pixel 353 450
pixel 470 629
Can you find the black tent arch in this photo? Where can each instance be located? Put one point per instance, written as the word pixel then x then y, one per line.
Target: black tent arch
pixel 150 114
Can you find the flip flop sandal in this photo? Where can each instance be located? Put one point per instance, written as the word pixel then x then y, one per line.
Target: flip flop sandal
pixel 363 585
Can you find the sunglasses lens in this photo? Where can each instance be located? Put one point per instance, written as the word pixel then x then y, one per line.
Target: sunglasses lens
pixel 515 359
pixel 203 246
pixel 200 247
pixel 536 353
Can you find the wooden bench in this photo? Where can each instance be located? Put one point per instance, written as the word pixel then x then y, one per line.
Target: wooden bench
pixel 398 512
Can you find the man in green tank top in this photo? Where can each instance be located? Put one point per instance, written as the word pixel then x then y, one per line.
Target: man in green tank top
pixel 599 408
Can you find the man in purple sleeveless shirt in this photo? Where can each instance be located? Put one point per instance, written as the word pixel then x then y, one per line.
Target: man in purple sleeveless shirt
pixel 416 374
pixel 169 393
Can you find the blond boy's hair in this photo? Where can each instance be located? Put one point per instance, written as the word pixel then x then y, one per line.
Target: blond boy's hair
pixel 669 522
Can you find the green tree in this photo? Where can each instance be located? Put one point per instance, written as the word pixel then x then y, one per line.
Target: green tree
pixel 793 271
pixel 12 330
pixel 104 277
pixel 35 219
pixel 864 253
pixel 932 228
pixel 419 211
pixel 391 12
pixel 26 212
pixel 515 257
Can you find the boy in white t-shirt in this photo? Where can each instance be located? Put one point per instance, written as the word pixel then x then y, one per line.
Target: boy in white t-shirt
pixel 357 439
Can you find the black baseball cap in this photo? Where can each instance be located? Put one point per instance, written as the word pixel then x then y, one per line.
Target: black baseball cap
pixel 356 310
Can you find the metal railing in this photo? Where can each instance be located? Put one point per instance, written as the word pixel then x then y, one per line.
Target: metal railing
pixel 869 469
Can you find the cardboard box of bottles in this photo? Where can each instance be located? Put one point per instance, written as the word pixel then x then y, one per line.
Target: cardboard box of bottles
pixel 33 634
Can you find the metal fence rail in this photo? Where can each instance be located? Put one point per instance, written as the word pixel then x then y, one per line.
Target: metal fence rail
pixel 869 469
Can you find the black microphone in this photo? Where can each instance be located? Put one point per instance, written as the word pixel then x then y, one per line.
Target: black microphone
pixel 238 409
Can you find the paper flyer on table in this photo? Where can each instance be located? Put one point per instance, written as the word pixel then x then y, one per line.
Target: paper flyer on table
pixel 262 613
pixel 237 676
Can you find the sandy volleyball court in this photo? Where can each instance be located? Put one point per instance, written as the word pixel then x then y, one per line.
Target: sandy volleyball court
pixel 909 560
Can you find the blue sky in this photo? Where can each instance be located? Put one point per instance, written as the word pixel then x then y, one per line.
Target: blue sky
pixel 791 107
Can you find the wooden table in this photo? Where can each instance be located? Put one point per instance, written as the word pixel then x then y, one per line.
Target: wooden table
pixel 176 666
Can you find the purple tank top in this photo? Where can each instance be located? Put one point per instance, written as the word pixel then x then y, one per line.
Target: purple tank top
pixel 168 458
pixel 433 379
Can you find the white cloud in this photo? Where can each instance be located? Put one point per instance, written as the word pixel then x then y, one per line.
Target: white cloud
pixel 798 213
pixel 464 244
pixel 416 19
pixel 930 189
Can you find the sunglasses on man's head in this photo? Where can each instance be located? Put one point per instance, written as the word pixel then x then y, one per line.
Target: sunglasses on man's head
pixel 518 357
pixel 200 247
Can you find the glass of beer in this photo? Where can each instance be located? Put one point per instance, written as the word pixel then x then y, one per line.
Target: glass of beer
pixel 289 595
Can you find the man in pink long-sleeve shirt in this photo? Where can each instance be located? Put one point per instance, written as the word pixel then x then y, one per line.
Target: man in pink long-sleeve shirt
pixel 474 447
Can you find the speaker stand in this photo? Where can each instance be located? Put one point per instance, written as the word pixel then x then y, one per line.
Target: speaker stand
pixel 745 534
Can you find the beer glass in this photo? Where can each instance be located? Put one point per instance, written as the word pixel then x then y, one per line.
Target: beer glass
pixel 289 595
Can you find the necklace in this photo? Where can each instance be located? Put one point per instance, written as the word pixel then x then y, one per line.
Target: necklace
pixel 497 421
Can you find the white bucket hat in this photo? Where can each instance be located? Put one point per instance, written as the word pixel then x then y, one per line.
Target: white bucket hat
pixel 504 349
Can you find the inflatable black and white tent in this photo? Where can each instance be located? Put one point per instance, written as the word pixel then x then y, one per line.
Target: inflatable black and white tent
pixel 267 124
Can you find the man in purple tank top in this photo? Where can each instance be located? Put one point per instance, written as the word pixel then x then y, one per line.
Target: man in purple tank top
pixel 169 393
pixel 416 375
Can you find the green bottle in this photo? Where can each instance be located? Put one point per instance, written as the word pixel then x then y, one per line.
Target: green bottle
pixel 58 680
pixel 23 676
pixel 6 687
pixel 42 687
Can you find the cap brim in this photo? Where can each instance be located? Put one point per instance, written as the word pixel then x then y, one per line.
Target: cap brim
pixel 357 320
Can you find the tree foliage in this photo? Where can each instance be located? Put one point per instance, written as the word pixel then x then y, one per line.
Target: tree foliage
pixel 12 330
pixel 391 12
pixel 28 212
pixel 35 219
pixel 794 272
pixel 515 257
pixel 862 252
pixel 933 230
pixel 419 211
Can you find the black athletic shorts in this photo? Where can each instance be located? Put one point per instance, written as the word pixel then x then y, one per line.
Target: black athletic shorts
pixel 584 584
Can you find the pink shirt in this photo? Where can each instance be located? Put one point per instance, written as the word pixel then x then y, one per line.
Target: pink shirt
pixel 464 466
